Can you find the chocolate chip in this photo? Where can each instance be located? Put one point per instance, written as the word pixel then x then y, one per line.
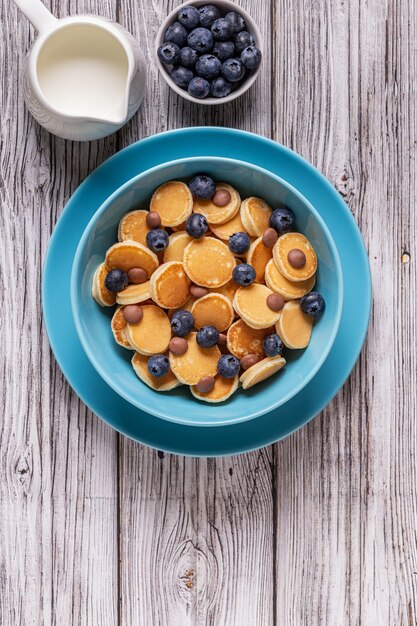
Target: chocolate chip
pixel 296 258
pixel 205 384
pixel 222 340
pixel 270 237
pixel 275 301
pixel 132 313
pixel 153 220
pixel 178 346
pixel 137 275
pixel 248 360
pixel 222 197
pixel 198 292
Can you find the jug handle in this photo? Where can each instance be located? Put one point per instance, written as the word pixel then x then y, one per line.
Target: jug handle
pixel 37 14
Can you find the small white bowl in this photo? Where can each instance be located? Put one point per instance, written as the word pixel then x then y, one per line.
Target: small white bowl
pixel 225 6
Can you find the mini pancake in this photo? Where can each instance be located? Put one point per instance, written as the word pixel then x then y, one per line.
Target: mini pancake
pixel 228 290
pixel 177 244
pixel 222 390
pixel 261 371
pixel 118 326
pixel 170 285
pixel 164 383
pixel 185 307
pixel 99 291
pixel 179 227
pixel 133 227
pixel 243 340
pixel 134 294
pixel 250 304
pixel 255 214
pixel 258 256
pixel 214 309
pixel 287 289
pixel 152 334
pixel 288 242
pixel 173 201
pixel 196 363
pixel 294 326
pixel 218 214
pixel 226 230
pixel 128 254
pixel 209 262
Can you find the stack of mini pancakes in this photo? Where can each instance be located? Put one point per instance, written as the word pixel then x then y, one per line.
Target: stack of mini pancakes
pixel 196 275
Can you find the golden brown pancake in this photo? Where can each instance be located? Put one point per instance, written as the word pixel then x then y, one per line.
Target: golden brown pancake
pixel 258 257
pixel 294 326
pixel 152 334
pixel 170 285
pixel 261 371
pixel 173 202
pixel 134 294
pixel 250 304
pixel 177 244
pixel 208 262
pixel 99 291
pixel 218 214
pixel 243 340
pixel 118 326
pixel 163 383
pixel 133 227
pixel 286 288
pixel 255 214
pixel 284 245
pixel 129 254
pixel 214 309
pixel 226 230
pixel 196 363
pixel 222 390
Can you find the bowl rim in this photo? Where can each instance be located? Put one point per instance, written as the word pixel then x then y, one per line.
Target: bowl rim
pixel 252 27
pixel 75 296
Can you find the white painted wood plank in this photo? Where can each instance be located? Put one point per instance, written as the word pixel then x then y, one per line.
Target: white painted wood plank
pixel 197 536
pixel 346 484
pixel 58 486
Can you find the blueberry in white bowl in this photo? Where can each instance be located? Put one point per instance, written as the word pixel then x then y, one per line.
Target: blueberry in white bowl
pixel 218 42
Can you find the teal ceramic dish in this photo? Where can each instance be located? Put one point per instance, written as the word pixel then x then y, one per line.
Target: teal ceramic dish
pixel 169 436
pixel 113 362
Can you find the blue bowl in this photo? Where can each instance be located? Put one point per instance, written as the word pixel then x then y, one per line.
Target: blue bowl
pixel 113 362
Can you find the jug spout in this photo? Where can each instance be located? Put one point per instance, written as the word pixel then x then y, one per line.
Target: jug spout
pixel 119 115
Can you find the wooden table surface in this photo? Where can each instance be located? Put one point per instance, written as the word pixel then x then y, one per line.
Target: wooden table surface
pixel 319 529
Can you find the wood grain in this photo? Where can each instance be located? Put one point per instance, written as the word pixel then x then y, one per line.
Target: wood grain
pixel 318 530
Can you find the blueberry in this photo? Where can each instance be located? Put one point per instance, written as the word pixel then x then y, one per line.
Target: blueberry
pixel 228 366
pixel 202 186
pixel 116 280
pixel 239 243
pixel 196 225
pixel 233 70
pixel 182 323
pixel 208 14
pixel 157 239
pixel 207 336
pixel 177 34
pixel 221 29
pixel 158 365
pixel 188 57
pixel 224 50
pixel 182 76
pixel 236 21
pixel 312 303
pixel 169 53
pixel 282 220
pixel 251 57
pixel 220 87
pixel 200 39
pixel 272 345
pixel 244 274
pixel 199 87
pixel 189 17
pixel 208 66
pixel 243 40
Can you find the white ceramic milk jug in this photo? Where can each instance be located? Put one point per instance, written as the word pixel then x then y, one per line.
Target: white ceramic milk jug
pixel 85 75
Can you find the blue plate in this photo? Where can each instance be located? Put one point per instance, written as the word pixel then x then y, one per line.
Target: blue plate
pixel 113 363
pixel 166 435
